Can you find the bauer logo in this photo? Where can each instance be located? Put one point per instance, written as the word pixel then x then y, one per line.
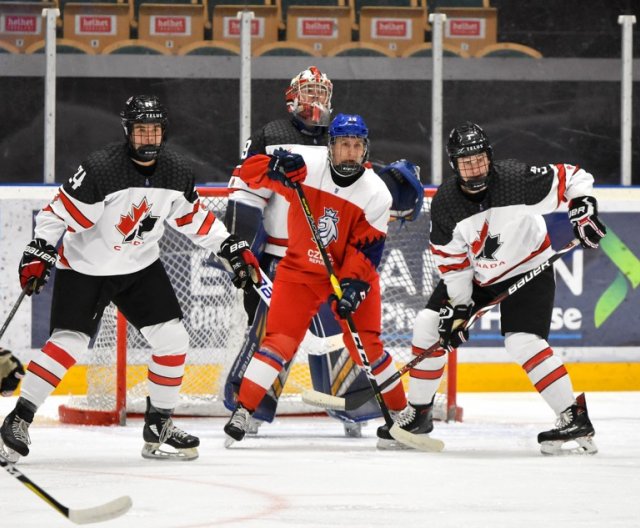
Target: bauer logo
pixel 21 24
pixel 170 25
pixel 231 27
pixel 317 28
pixel 469 28
pixel 95 24
pixel 393 28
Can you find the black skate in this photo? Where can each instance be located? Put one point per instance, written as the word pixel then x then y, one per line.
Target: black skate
pixel 14 433
pixel 573 425
pixel 159 430
pixel 416 419
pixel 237 426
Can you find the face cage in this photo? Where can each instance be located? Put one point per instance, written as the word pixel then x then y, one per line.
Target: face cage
pixel 315 113
pixel 476 184
pixel 347 169
pixel 144 152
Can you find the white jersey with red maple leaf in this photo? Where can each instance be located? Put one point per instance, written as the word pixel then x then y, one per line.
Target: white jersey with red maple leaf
pixel 111 227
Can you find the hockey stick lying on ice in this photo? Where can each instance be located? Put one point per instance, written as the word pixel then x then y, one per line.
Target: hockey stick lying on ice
pixel 358 398
pixel 104 512
pixel 421 442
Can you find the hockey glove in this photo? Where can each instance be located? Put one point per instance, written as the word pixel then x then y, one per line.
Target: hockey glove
pixel 11 372
pixel 583 215
pixel 287 168
pixel 35 265
pixel 450 327
pixel 243 263
pixel 354 291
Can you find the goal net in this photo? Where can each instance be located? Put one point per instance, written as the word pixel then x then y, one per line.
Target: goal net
pixel 216 322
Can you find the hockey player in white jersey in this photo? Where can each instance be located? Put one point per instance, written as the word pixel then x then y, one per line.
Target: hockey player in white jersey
pixel 111 215
pixel 486 232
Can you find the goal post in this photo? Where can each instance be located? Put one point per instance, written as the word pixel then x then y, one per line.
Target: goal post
pixel 216 323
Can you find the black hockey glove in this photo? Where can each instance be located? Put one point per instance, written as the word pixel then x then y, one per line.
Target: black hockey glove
pixel 11 372
pixel 243 263
pixel 35 265
pixel 583 215
pixel 449 328
pixel 354 291
pixel 287 168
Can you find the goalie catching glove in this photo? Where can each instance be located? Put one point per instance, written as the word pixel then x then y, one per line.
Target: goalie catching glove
pixel 287 168
pixel 354 291
pixel 243 263
pixel 583 215
pixel 11 372
pixel 35 266
pixel 450 328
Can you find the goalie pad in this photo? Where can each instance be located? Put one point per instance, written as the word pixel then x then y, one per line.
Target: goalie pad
pixel 402 178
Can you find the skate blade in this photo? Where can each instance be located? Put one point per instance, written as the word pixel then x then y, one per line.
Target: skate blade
pixel 585 446
pixel 229 441
pixel 8 454
pixel 154 451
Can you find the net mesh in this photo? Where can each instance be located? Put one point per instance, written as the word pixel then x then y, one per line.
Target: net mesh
pixel 216 323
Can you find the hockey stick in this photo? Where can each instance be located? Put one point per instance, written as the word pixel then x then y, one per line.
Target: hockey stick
pixel 421 442
pixel 14 309
pixel 104 512
pixel 357 399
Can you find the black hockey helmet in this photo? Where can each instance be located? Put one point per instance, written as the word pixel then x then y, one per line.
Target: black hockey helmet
pixel 144 109
pixel 469 139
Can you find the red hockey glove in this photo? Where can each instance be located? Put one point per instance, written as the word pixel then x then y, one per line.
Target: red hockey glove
pixel 11 372
pixel 354 291
pixel 449 328
pixel 287 168
pixel 583 215
pixel 243 263
pixel 35 265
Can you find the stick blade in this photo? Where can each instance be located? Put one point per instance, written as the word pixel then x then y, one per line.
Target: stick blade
pixel 320 399
pixel 420 442
pixel 104 512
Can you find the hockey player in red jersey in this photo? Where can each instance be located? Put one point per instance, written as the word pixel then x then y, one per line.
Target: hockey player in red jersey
pixel 487 231
pixel 351 205
pixel 111 215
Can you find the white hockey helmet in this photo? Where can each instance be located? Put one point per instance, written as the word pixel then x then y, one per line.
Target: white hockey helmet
pixel 309 97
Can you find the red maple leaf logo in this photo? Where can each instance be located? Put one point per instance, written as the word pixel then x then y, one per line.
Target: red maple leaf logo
pixel 129 221
pixel 477 244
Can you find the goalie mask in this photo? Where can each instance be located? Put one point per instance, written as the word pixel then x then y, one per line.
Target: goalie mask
pixel 402 178
pixel 145 109
pixel 348 145
pixel 309 97
pixel 470 156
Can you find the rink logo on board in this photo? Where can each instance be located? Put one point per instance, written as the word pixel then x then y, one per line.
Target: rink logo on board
pixel 473 28
pixel 170 25
pixel 397 28
pixel 231 27
pixel 136 223
pixel 21 24
pixel 95 24
pixel 317 27
pixel 328 226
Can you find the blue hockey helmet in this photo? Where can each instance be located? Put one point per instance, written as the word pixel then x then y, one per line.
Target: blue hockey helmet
pixel 349 126
pixel 402 178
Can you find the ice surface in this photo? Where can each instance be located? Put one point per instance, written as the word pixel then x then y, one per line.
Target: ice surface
pixel 303 472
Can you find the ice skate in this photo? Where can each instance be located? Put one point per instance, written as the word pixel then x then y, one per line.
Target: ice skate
pixel 14 433
pixel 254 426
pixel 416 419
pixel 159 431
pixel 573 425
pixel 237 426
pixel 353 429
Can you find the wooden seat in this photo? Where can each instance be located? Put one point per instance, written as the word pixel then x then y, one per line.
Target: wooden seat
pixel 209 47
pixel 264 27
pixel 63 46
pixel 360 49
pixel 135 47
pixel 96 24
pixel 470 29
pixel 508 49
pixel 287 49
pixel 395 28
pixel 426 50
pixel 8 48
pixel 321 27
pixel 21 23
pixel 171 25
